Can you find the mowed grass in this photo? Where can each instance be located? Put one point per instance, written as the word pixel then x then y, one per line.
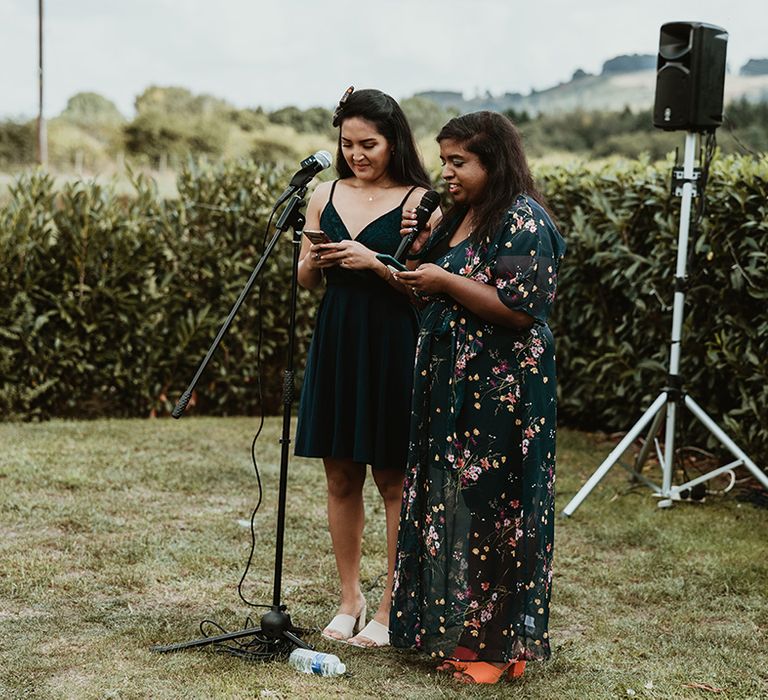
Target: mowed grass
pixel 117 535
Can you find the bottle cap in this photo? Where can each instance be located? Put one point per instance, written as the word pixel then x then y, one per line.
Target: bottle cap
pixel 341 668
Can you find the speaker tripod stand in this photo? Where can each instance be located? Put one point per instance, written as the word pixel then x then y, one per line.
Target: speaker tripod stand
pixel 673 397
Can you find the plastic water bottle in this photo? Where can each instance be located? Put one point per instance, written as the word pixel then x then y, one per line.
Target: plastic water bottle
pixel 309 661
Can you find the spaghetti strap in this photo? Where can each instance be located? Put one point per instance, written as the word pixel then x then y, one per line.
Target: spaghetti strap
pixel 407 194
pixel 333 188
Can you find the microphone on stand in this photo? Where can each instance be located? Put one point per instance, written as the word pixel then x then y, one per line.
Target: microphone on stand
pixel 309 167
pixel 427 205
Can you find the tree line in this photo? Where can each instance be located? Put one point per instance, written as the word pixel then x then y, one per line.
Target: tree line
pixel 171 124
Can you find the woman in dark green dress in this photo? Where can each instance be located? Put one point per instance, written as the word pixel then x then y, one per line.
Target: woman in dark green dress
pixel 474 563
pixel 356 396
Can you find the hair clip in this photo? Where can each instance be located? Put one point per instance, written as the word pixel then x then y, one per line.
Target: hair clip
pixel 340 109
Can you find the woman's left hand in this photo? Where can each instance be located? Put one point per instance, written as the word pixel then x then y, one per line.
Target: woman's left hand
pixel 426 279
pixel 350 255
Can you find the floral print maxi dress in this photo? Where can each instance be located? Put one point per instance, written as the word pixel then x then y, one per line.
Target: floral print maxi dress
pixel 474 563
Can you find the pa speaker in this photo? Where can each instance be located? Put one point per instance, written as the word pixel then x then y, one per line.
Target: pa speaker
pixel 690 73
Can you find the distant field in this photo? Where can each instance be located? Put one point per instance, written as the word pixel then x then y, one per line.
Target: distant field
pixel 166 181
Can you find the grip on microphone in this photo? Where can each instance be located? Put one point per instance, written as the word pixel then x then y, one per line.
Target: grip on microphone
pixel 427 205
pixel 405 244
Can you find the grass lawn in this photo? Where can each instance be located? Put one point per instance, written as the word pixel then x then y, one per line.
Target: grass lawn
pixel 117 535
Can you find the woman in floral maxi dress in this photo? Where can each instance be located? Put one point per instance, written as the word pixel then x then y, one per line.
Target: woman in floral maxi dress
pixel 474 565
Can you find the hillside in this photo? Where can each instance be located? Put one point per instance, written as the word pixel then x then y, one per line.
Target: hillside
pixel 612 90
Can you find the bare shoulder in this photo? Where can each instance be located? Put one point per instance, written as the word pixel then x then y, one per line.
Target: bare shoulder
pixel 322 192
pixel 320 196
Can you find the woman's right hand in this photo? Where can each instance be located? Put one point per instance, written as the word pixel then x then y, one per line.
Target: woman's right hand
pixel 314 260
pixel 407 225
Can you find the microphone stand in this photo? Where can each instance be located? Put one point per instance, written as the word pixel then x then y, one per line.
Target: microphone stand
pixel 276 633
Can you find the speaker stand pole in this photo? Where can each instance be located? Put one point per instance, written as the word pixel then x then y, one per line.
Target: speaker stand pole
pixel 673 396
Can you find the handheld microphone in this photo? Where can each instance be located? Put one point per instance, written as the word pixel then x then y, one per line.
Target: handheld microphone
pixel 309 167
pixel 427 205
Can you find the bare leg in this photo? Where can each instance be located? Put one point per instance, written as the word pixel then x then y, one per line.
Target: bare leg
pixel 390 485
pixel 345 521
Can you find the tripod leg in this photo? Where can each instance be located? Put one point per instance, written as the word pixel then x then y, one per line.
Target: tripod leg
pixel 642 457
pixel 205 641
pixel 297 641
pixel 276 628
pixel 735 450
pixel 619 450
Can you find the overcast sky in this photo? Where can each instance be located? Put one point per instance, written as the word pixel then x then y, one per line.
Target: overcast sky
pixel 305 52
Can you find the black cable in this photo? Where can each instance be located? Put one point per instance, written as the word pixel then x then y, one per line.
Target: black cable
pixel 259 648
pixel 260 398
pixel 265 648
pixel 679 457
pixel 706 154
pixel 732 133
pixel 256 649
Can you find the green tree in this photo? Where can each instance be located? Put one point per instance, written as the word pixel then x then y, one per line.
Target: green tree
pixel 517 118
pixel 315 120
pixel 172 122
pixel 179 101
pixel 425 116
pixel 89 109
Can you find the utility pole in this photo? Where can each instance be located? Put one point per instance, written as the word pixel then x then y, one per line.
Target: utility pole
pixel 42 136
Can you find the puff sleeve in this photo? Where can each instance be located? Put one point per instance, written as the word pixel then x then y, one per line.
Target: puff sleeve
pixel 527 260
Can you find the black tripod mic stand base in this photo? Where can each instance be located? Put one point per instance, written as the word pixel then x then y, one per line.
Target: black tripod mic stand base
pixel 277 636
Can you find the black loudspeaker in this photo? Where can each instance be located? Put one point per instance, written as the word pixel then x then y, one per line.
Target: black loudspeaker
pixel 690 73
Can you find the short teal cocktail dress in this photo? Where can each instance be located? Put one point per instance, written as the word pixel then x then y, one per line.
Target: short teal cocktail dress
pixel 356 397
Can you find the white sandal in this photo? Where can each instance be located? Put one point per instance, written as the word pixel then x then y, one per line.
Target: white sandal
pixel 375 632
pixel 345 626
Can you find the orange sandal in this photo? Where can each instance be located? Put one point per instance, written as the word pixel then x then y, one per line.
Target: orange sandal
pixel 516 670
pixel 451 665
pixel 458 662
pixel 483 672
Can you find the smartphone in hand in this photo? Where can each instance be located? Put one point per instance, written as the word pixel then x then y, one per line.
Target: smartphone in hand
pixel 393 264
pixel 316 236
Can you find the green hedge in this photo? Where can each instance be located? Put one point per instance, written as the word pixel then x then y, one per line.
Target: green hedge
pixel 613 317
pixel 17 143
pixel 108 303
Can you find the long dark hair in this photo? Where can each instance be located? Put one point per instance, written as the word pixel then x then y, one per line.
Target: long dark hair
pixel 493 138
pixel 405 166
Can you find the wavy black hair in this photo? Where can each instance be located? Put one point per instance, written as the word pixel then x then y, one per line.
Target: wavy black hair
pixel 495 140
pixel 405 166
